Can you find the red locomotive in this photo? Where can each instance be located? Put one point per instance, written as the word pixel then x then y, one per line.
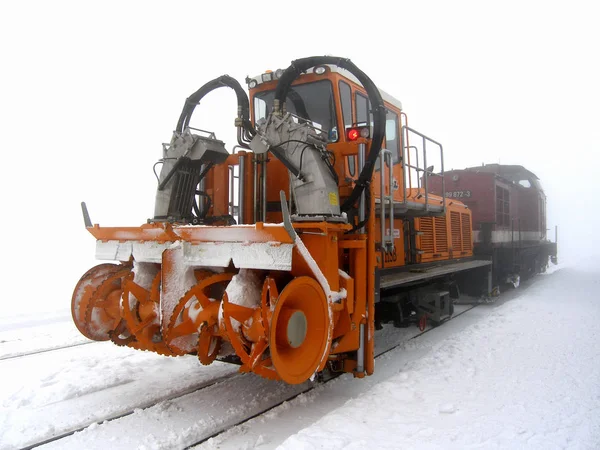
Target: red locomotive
pixel 509 217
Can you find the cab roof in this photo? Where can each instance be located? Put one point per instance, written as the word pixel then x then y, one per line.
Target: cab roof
pixel 344 73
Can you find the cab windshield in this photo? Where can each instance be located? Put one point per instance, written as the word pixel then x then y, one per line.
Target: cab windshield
pixel 311 101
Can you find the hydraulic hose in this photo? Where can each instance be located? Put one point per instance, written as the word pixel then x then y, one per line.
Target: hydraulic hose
pixel 245 128
pixel 377 107
pixel 224 80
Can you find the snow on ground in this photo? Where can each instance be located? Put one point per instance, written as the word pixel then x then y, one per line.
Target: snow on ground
pixel 521 373
pixel 23 334
pixel 525 376
pixel 42 395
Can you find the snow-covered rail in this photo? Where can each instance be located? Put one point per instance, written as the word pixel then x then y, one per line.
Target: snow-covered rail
pixel 45 350
pixel 120 414
pixel 50 395
pixel 310 387
pixel 197 415
pixel 28 335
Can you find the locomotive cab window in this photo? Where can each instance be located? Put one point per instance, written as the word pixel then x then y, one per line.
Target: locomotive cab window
pixel 525 183
pixel 363 111
pixel 314 102
pixel 392 142
pixel 346 101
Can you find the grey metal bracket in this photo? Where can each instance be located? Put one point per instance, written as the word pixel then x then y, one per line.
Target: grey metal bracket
pixel 287 221
pixel 86 216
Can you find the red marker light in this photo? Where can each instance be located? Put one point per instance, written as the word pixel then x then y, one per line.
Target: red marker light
pixel 353 134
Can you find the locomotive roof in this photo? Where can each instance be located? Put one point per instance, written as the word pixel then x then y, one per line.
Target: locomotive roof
pixel 508 171
pixel 346 74
pixel 387 97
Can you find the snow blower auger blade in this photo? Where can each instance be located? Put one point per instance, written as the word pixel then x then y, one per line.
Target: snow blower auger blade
pixel 96 299
pixel 190 295
pixel 194 321
pixel 285 337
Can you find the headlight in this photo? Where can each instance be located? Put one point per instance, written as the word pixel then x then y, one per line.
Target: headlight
pixel 252 84
pixel 352 134
pixel 320 70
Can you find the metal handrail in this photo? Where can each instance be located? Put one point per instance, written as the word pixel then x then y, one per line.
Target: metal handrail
pixel 211 134
pixel 241 187
pixel 404 144
pixel 232 177
pixel 416 149
pixel 427 173
pixel 386 155
pixel 424 170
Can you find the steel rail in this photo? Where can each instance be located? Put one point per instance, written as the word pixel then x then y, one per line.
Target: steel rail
pixel 22 355
pixel 129 411
pixel 207 384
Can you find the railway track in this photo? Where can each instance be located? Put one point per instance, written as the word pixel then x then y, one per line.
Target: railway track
pixel 200 400
pixel 129 411
pixel 313 386
pixel 46 350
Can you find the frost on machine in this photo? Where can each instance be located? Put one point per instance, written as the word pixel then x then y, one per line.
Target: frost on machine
pixel 284 255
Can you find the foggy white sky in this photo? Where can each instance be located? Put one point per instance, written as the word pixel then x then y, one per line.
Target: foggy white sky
pixel 88 93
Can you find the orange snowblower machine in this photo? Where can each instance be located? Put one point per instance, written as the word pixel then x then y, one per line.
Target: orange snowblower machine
pixel 285 255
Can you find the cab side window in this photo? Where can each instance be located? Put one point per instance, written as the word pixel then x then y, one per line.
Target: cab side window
pixel 391 135
pixel 363 110
pixel 346 99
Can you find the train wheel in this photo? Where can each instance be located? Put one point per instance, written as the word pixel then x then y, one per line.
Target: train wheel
pixel 301 330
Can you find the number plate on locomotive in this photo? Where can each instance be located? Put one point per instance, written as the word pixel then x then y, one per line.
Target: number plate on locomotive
pixel 458 194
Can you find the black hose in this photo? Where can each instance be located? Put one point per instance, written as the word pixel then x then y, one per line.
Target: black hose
pixel 196 206
pixel 224 80
pixel 299 104
pixel 377 106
